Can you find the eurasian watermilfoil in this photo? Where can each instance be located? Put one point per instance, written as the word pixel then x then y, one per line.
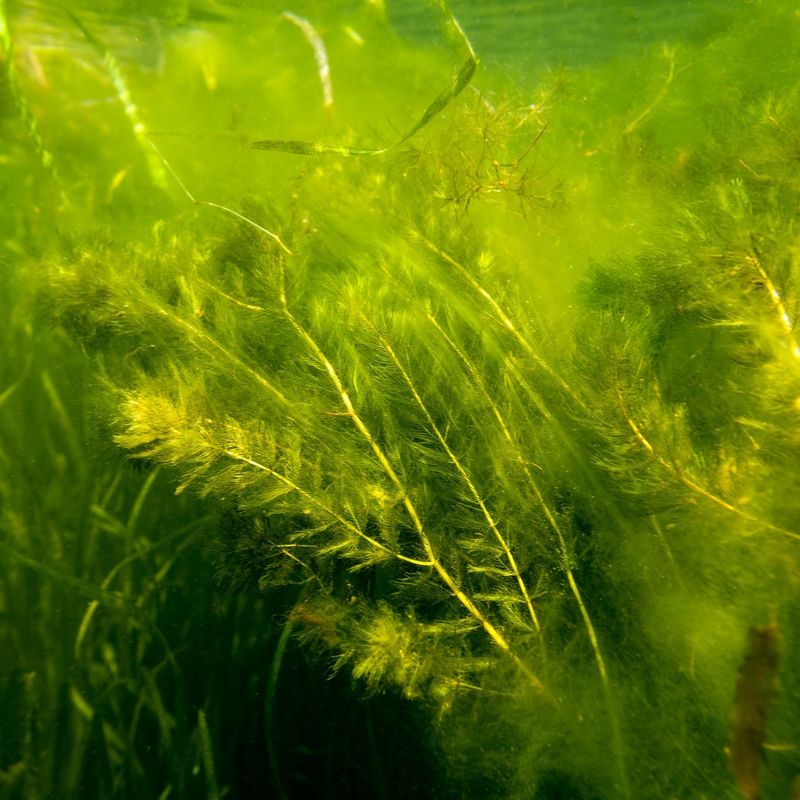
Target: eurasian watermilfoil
pixel 513 402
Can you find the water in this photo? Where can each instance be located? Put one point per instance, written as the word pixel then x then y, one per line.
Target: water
pixel 375 422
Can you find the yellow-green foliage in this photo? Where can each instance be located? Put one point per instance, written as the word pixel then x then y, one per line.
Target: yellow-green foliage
pixel 515 400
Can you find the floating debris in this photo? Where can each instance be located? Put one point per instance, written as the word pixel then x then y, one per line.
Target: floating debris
pixel 320 56
pixel 755 690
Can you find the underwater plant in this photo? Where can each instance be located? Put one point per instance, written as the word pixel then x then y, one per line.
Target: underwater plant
pixel 504 411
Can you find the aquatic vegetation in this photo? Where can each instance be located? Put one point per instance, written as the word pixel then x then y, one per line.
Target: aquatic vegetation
pixel 501 416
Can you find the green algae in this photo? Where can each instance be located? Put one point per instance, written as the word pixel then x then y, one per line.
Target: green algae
pixel 501 417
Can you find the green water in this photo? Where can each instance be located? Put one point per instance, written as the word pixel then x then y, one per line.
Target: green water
pixel 399 401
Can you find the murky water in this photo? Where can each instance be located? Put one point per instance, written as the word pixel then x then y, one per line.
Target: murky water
pixel 399 400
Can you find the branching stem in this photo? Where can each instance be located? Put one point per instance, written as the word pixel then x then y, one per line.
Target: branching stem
pixel 473 490
pixel 494 633
pixel 693 485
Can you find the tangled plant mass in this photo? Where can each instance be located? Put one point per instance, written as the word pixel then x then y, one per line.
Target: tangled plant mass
pixel 508 407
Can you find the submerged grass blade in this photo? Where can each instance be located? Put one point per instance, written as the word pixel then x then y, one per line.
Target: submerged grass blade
pixel 123 91
pixel 207 754
pixel 270 699
pixel 82 587
pixel 320 56
pixel 46 158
